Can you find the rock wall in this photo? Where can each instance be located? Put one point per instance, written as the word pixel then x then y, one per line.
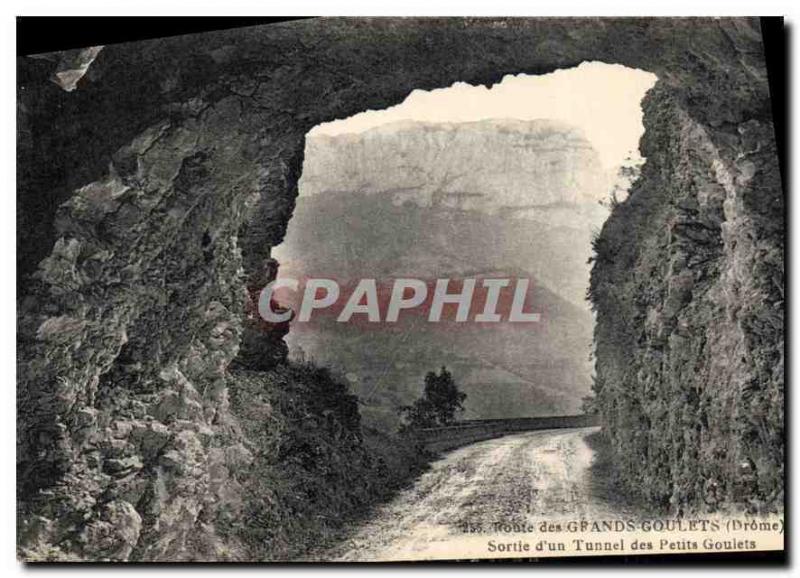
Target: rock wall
pixel 125 337
pixel 688 287
pixel 489 166
pixel 150 195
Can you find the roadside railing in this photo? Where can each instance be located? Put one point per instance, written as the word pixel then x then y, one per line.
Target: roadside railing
pixel 442 438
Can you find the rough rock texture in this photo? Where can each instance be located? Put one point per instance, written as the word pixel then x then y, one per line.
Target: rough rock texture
pixel 124 341
pixel 149 198
pixel 491 166
pixel 72 65
pixel 688 285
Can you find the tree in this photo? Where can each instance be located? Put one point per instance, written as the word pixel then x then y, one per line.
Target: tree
pixel 440 401
pixel 627 174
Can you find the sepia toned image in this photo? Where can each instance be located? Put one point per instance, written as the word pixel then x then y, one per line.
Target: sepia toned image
pixel 402 289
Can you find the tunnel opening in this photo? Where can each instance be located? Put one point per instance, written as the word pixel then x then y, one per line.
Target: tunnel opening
pixel 461 183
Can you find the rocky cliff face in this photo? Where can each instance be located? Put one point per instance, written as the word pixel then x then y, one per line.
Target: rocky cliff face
pixel 130 423
pixel 688 288
pixel 531 187
pixel 492 198
pixel 173 165
pixel 496 166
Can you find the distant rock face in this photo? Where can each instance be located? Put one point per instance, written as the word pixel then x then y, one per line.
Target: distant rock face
pixel 493 198
pixel 502 193
pixel 150 197
pixel 493 166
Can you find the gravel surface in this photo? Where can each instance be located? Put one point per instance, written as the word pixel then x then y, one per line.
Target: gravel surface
pixel 517 480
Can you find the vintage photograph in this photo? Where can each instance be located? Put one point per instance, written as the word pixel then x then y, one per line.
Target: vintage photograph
pixel 402 289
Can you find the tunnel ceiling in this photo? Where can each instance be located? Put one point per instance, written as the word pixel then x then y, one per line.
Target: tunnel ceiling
pixel 288 77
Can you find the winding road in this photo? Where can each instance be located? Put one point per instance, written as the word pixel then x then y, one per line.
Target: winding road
pixel 514 481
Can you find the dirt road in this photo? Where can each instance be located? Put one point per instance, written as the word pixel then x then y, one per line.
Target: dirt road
pixel 518 479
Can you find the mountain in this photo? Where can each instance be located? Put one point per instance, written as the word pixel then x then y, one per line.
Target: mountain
pixel 526 218
pixel 495 165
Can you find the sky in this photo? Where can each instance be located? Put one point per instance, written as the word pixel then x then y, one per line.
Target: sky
pixel 604 100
